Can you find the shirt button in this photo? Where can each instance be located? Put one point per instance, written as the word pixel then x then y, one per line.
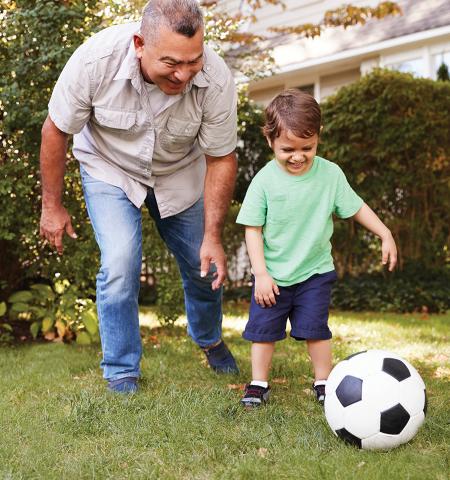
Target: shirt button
pixel 208 68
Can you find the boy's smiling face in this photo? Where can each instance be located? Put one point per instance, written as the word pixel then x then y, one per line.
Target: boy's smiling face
pixel 295 155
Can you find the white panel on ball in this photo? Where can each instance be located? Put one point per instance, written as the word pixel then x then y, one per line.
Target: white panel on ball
pixel 361 421
pixel 334 412
pixel 375 400
pixel 380 391
pixel 413 395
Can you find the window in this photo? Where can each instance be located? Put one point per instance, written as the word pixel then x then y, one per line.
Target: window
pixel 416 66
pixel 439 59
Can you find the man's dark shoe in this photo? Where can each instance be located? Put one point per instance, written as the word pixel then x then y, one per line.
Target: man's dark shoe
pixel 125 385
pixel 319 390
pixel 255 396
pixel 220 359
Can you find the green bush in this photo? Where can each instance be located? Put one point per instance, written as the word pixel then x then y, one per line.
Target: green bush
pixel 58 312
pixel 390 132
pixel 414 289
pixel 36 40
pixel 252 150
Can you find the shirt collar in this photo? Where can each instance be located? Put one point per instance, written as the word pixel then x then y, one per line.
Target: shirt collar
pixel 130 65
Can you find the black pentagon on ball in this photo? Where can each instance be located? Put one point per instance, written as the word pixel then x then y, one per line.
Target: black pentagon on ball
pixel 396 368
pixel 394 420
pixel 349 390
pixel 425 405
pixel 348 437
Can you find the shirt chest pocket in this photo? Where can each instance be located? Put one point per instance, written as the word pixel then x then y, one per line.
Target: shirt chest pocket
pixel 178 135
pixel 121 122
pixel 278 209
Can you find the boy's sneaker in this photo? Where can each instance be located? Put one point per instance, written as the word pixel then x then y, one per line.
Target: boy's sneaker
pixel 319 390
pixel 220 359
pixel 255 396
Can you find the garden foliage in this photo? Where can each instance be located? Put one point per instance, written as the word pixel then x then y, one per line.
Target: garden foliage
pixel 389 132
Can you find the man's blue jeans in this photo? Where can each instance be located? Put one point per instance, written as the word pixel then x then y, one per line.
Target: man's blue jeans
pixel 117 227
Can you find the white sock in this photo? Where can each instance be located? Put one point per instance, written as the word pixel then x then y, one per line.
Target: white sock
pixel 259 384
pixel 319 382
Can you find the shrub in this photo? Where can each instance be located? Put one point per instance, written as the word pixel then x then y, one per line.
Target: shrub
pixel 414 289
pixel 389 132
pixel 58 312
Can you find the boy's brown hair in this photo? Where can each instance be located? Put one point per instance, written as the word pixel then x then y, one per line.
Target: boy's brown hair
pixel 292 110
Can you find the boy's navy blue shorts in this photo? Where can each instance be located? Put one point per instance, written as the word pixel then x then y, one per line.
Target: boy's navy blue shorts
pixel 305 304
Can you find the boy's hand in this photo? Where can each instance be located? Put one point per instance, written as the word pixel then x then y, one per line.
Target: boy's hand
pixel 265 290
pixel 388 251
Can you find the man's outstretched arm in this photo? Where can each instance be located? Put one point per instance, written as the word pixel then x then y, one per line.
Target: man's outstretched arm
pixel 219 186
pixel 54 217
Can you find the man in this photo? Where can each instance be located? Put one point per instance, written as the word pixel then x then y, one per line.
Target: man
pixel 153 113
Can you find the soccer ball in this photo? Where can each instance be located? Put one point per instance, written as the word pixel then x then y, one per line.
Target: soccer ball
pixel 375 400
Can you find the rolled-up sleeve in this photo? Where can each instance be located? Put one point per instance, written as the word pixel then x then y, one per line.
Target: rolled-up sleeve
pixel 218 133
pixel 70 104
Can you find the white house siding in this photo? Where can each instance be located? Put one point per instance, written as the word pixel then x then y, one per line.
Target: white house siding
pixel 330 83
pixel 417 42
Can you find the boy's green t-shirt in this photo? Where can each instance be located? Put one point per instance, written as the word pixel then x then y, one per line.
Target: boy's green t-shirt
pixel 296 215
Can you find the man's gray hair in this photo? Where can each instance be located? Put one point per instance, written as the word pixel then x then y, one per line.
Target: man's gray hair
pixel 181 16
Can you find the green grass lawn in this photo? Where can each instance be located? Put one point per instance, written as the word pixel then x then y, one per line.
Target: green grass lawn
pixel 57 421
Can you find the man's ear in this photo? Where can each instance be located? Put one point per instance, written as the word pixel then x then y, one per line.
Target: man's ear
pixel 138 40
pixel 269 142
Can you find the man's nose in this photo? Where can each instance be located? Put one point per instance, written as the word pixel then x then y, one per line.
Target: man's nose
pixel 183 74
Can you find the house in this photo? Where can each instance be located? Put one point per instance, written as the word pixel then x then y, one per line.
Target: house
pixel 418 41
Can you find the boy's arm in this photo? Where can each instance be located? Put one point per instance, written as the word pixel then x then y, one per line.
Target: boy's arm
pixel 265 287
pixel 368 219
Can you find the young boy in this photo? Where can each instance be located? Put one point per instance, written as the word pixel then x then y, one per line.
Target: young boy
pixel 287 213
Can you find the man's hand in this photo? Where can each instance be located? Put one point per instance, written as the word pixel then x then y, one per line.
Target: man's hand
pixel 54 222
pixel 219 183
pixel 54 217
pixel 212 252
pixel 265 290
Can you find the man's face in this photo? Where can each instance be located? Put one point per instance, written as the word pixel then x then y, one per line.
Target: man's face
pixel 295 155
pixel 172 60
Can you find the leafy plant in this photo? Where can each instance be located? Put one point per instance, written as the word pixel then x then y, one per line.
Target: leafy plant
pixel 5 328
pixel 389 133
pixel 415 289
pixel 58 312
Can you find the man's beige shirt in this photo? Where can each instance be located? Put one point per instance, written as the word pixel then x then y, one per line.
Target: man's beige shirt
pixel 101 98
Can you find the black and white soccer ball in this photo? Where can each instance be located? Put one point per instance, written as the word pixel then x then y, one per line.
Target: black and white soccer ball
pixel 375 400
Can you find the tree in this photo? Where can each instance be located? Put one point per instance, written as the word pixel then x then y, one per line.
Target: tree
pixel 442 73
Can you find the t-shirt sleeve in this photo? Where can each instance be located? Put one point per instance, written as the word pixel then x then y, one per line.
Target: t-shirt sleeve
pixel 70 105
pixel 218 132
pixel 347 202
pixel 254 207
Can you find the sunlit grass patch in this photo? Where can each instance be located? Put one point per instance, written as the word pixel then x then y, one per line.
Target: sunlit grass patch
pixel 59 422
